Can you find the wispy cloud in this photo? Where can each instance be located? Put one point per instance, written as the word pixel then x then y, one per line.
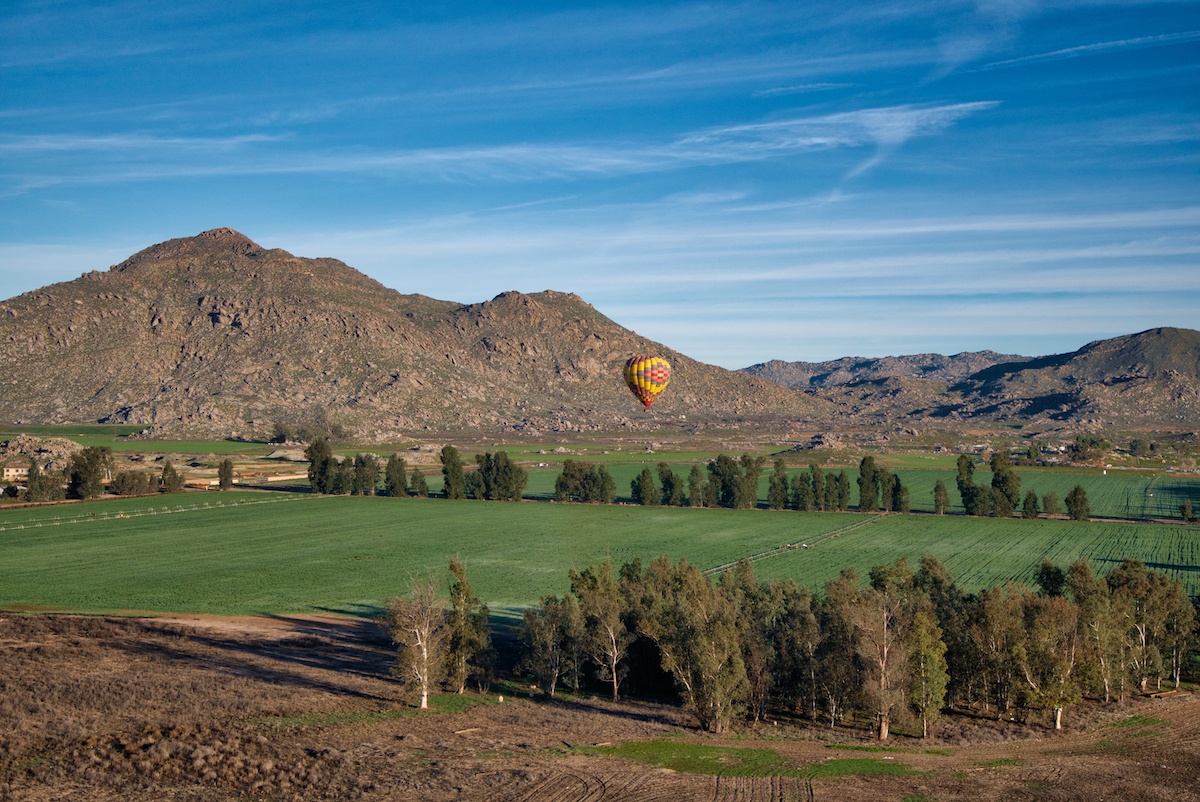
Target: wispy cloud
pixel 884 127
pixel 1099 47
pixel 134 143
pixel 801 89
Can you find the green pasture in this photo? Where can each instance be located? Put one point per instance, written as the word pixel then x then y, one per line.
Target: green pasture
pixel 249 553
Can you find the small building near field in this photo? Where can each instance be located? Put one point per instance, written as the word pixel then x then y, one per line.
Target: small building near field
pixel 12 473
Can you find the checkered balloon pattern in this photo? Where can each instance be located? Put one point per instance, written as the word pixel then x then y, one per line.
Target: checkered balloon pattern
pixel 647 376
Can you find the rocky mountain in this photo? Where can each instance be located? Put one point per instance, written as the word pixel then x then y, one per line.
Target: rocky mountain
pixel 1150 379
pixel 218 336
pixel 1147 379
pixel 851 369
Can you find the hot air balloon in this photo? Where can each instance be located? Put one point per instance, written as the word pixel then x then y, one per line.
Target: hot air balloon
pixel 647 376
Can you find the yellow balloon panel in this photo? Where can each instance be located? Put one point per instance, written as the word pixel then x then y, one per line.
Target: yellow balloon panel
pixel 647 376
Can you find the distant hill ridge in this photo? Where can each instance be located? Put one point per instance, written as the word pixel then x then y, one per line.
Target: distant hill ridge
pixel 214 335
pixel 849 369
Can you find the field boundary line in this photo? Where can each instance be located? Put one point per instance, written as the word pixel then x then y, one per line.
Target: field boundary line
pixel 790 547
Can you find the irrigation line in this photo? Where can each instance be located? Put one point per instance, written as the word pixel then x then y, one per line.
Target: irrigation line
pixel 790 547
pixel 35 523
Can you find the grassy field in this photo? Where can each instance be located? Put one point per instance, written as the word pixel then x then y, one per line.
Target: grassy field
pixel 247 553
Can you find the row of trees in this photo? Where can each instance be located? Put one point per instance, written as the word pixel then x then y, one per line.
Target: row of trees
pixel 1001 497
pixel 723 482
pixel 357 475
pixel 496 478
pixel 89 474
pixel 903 647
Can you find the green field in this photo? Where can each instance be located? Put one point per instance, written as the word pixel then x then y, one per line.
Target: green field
pixel 283 553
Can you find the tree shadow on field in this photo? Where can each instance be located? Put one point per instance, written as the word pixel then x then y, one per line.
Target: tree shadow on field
pixel 626 709
pixel 312 658
pixel 1164 567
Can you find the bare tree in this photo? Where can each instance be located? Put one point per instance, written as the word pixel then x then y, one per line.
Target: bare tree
pixel 418 626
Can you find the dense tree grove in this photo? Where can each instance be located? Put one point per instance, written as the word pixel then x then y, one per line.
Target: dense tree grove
pixel 585 482
pixel 357 475
pixel 643 490
pixel 322 466
pixel 897 650
pixel 87 471
pixel 1088 448
pixel 133 483
pixel 498 478
pixel 172 480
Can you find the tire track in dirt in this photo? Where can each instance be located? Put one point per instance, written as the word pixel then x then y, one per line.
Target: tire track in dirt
pixel 575 786
pixel 761 789
pixel 568 786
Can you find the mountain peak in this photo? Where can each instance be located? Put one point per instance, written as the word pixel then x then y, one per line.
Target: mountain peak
pixel 207 244
pixel 225 235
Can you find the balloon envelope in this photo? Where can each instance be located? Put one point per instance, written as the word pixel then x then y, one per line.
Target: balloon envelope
pixel 647 376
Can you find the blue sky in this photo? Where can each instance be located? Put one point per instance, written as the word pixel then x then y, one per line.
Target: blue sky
pixel 739 181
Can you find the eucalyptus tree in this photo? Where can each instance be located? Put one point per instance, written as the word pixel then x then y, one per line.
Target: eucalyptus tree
pixel 868 485
pixel 778 487
pixel 927 670
pixel 1077 504
pixel 941 497
pixel 672 486
pixel 1029 509
pixel 225 474
pixel 801 495
pixel 469 650
pixel 694 625
pixel 643 489
pixel 606 640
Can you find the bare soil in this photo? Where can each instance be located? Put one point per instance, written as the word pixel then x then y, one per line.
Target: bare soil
pixel 204 708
